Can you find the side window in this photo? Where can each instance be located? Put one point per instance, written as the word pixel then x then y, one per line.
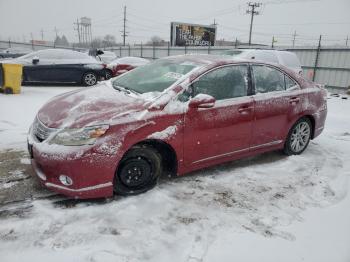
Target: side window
pixel 289 82
pixel 223 83
pixel 267 79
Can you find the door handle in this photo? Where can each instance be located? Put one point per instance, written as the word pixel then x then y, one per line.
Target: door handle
pixel 294 100
pixel 244 109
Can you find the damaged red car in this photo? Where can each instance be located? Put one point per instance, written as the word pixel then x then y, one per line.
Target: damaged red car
pixel 170 117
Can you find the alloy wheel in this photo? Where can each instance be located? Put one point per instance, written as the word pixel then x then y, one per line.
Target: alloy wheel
pixel 90 79
pixel 300 136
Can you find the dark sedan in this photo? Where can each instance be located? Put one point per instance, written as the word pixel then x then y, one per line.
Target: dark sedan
pixel 60 66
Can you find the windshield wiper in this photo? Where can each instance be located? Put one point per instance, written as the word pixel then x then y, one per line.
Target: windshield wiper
pixel 120 89
pixel 125 89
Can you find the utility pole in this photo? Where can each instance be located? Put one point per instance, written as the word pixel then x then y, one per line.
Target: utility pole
pixel 56 31
pixel 251 10
pixel 273 41
pixel 124 33
pixel 78 30
pixel 31 36
pixel 317 57
pixel 346 40
pixel 294 36
pixel 42 34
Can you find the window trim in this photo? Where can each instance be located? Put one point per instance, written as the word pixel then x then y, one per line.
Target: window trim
pixel 276 68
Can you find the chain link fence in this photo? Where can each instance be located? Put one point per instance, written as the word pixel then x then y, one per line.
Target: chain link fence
pixel 325 65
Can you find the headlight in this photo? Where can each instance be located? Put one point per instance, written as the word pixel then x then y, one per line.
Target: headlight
pixel 79 137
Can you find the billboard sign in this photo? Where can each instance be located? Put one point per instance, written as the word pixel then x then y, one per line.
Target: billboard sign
pixel 183 34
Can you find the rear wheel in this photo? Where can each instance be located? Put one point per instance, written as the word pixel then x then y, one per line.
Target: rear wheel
pixel 108 75
pixel 89 79
pixel 298 137
pixel 138 171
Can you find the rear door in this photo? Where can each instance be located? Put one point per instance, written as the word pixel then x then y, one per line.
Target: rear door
pixel 277 103
pixel 225 129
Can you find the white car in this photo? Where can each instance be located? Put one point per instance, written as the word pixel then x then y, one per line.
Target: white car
pixel 285 58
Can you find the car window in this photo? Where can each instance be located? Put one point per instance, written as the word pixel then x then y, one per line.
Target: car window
pixel 156 76
pixel 29 56
pixel 289 82
pixel 223 83
pixel 267 79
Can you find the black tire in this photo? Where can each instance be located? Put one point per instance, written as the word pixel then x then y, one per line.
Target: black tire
pixel 108 74
pixel 89 79
pixel 138 171
pixel 298 137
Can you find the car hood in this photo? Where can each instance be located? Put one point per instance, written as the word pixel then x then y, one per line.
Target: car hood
pixel 101 104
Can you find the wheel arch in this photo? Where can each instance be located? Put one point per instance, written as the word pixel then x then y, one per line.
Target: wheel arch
pixel 312 121
pixel 167 152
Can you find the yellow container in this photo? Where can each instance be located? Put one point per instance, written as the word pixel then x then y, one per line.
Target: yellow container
pixel 12 78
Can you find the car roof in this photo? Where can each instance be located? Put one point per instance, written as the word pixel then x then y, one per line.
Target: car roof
pixel 212 61
pixel 205 59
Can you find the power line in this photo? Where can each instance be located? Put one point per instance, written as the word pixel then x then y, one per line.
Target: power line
pixel 251 10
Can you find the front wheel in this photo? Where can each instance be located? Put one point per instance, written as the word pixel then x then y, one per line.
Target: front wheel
pixel 298 137
pixel 89 79
pixel 138 171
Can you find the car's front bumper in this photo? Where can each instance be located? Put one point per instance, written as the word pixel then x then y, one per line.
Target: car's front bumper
pixel 51 181
pixel 92 173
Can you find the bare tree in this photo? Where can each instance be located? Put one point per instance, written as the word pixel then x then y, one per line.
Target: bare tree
pixel 96 42
pixel 156 40
pixel 108 41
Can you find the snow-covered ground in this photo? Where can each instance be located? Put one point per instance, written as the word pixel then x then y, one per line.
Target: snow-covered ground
pixel 266 208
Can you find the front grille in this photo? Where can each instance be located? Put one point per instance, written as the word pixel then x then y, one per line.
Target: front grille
pixel 40 131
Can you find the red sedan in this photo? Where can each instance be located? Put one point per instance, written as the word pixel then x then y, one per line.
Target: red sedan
pixel 122 65
pixel 172 116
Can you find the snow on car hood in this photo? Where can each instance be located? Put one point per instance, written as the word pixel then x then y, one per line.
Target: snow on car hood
pixel 90 106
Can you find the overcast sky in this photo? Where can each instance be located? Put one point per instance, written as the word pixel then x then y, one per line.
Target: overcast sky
pixel 331 18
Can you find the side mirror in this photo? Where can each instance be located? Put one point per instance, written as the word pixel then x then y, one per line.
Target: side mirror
pixel 100 52
pixel 35 60
pixel 202 101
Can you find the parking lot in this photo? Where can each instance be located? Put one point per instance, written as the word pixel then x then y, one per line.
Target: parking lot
pixel 276 204
pixel 175 131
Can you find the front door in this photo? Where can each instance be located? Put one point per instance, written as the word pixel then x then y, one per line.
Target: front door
pixel 225 129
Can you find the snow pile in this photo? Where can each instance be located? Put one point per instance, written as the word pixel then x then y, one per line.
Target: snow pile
pixel 19 111
pixel 164 134
pixel 284 208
